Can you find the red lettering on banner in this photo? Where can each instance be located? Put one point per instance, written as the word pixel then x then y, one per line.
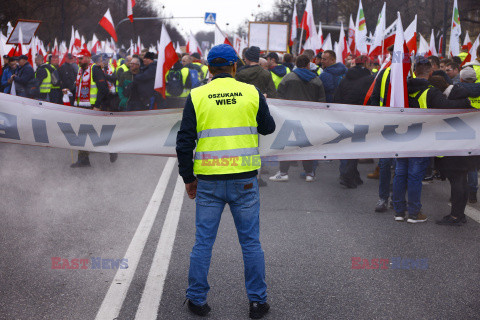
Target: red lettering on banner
pixel 355 263
pixel 55 261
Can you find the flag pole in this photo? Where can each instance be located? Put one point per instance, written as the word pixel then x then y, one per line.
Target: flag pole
pixel 301 37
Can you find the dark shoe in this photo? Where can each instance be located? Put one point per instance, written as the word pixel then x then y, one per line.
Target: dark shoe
pixel 201 311
pixel 358 181
pixel 417 218
pixel 258 310
pixel 450 221
pixel 400 217
pixel 113 157
pixel 348 184
pixel 382 205
pixel 81 163
pixel 472 197
pixel 262 183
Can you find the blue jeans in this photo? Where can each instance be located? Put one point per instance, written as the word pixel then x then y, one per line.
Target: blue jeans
pixel 385 166
pixel 242 196
pixel 472 178
pixel 409 173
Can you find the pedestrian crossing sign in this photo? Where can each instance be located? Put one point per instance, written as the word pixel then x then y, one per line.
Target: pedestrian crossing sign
pixel 210 17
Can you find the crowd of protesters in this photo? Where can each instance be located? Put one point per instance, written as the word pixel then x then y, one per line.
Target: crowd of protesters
pixel 126 83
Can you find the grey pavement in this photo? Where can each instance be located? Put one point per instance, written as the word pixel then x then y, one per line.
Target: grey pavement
pixel 309 232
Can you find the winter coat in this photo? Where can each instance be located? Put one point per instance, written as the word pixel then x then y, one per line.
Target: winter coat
pixel 435 98
pixel 144 82
pixel 331 77
pixel 259 77
pixel 354 87
pixel 301 84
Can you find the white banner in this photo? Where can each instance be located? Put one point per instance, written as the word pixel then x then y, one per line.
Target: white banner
pixel 305 130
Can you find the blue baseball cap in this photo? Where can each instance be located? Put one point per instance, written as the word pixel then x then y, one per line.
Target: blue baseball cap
pixel 224 51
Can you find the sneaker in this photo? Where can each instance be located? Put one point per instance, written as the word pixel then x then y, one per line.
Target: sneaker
pixel 451 221
pixel 201 311
pixel 348 184
pixel 419 217
pixel 258 310
pixel 429 178
pixel 472 197
pixel 382 205
pixel 81 164
pixel 309 178
pixel 400 217
pixel 358 181
pixel 279 177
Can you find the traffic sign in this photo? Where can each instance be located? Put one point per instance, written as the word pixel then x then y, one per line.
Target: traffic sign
pixel 210 17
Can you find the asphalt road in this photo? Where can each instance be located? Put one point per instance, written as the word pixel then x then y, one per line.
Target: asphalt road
pixel 51 214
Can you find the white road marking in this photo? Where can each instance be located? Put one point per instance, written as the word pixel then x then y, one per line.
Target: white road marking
pixel 471 212
pixel 113 301
pixel 152 294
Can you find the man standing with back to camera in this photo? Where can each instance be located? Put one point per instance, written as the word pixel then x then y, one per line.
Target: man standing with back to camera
pixel 224 117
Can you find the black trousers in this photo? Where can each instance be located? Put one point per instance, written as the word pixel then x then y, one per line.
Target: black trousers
pixel 459 191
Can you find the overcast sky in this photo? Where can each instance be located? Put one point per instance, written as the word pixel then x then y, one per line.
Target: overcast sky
pixel 233 12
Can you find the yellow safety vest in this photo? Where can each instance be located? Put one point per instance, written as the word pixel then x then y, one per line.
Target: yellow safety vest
pixel 319 71
pixel 204 69
pixel 475 101
pixel 185 73
pixel 477 71
pixel 421 96
pixel 46 85
pixel 462 55
pixel 383 87
pixel 277 79
pixel 93 90
pixel 227 139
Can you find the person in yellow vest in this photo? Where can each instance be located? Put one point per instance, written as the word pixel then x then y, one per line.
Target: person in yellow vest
pixel 278 71
pixel 409 172
pixel 178 85
pixel 223 119
pixel 475 65
pixel 197 61
pixel 48 80
pixel 90 91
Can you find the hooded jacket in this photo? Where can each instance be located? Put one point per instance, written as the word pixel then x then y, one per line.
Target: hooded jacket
pixel 354 87
pixel 259 77
pixel 435 98
pixel 301 84
pixel 331 77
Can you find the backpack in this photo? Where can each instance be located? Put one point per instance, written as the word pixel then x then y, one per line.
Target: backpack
pixel 55 78
pixel 195 78
pixel 174 83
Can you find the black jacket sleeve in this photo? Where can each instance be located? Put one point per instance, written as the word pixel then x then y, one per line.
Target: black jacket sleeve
pixel 436 99
pixel 26 75
pixel 375 98
pixel 186 141
pixel 40 74
pixel 265 122
pixel 99 79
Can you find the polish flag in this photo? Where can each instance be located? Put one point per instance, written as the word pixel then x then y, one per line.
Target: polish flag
pixel 130 5
pixel 192 45
pixel 361 31
pixel 220 37
pixel 351 35
pixel 398 94
pixel 376 48
pixel 55 48
pixel 319 38
pixel 473 50
pixel 107 23
pixel 342 48
pixel 95 44
pixel 389 37
pixel 308 24
pixel 166 59
pixel 467 43
pixel 432 51
pixel 411 36
pixel 177 49
pixel 423 47
pixel 293 26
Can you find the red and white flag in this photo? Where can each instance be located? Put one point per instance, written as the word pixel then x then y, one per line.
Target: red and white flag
pixel 411 36
pixel 440 46
pixel 342 47
pixel 467 43
pixel 351 35
pixel 473 50
pixel 320 39
pixel 308 24
pixel 432 50
pixel 398 94
pixel 130 5
pixel 389 37
pixel 220 37
pixel 376 48
pixel 423 46
pixel 293 26
pixel 192 45
pixel 95 44
pixel 455 31
pixel 361 31
pixel 166 59
pixel 107 23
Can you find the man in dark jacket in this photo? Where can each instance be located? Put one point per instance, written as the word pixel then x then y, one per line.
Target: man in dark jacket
pixel 352 90
pixel 144 82
pixel 8 71
pixel 254 74
pixel 300 84
pixel 410 171
pixel 68 74
pixel 23 76
pixel 332 73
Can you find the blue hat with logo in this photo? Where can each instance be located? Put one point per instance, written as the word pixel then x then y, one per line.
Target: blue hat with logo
pixel 224 51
